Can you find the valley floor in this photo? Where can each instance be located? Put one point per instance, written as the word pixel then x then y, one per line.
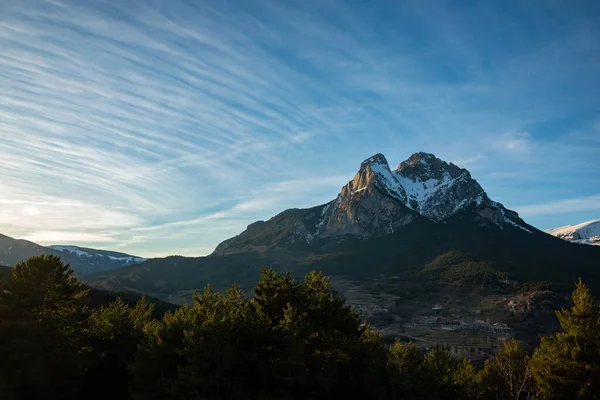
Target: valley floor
pixel 470 322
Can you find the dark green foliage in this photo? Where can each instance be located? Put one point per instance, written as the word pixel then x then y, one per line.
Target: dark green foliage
pixel 459 268
pixel 43 289
pixel 535 286
pixel 405 364
pixel 113 335
pixel 5 273
pixel 51 347
pixel 436 375
pixel 567 365
pixel 205 350
pixel 289 339
pixel 42 312
pixel 100 297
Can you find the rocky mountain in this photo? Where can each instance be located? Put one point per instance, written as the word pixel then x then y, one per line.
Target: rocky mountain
pixel 384 225
pixel 379 201
pixel 83 260
pixel 584 233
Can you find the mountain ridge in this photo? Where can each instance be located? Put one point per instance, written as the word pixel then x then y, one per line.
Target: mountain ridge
pixel 587 232
pixel 83 260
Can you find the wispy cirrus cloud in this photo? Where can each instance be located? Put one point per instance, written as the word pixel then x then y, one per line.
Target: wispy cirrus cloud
pixel 172 125
pixel 517 143
pixel 576 205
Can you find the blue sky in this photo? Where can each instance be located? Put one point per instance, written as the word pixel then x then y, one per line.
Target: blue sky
pixel 164 127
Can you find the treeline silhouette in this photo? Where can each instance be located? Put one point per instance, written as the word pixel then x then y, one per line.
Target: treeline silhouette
pixel 289 340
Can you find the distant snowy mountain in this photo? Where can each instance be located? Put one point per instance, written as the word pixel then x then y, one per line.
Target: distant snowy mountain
pixel 585 233
pixel 83 260
pixel 91 253
pixel 94 256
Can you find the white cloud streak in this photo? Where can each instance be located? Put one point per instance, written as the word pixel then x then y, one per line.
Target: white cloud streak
pixel 159 125
pixel 568 206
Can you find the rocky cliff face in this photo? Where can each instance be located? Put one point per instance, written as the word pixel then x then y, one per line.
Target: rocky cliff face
pixel 379 201
pixel 373 203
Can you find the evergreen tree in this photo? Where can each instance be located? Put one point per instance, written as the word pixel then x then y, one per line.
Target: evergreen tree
pixel 292 340
pixel 335 354
pixel 43 288
pixel 567 365
pixel 42 312
pixel 466 378
pixel 113 335
pixel 436 375
pixel 440 369
pixel 406 369
pixel 219 348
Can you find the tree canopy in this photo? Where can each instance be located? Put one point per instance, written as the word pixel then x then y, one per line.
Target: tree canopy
pixel 288 339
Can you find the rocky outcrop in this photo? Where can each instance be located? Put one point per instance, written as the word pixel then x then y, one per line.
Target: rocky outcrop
pixel 371 204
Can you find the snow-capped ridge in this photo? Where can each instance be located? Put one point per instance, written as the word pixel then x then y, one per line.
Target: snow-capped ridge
pixel 587 232
pixel 99 255
pixel 430 186
pixel 71 249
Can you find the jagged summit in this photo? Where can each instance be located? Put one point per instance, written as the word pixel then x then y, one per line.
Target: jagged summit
pixel 375 159
pixel 379 201
pixel 424 183
pixel 417 159
pixel 424 166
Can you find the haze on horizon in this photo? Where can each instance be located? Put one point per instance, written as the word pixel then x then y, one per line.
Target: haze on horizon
pixel 165 127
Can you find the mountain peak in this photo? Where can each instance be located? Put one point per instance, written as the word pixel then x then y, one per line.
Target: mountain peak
pixel 375 159
pixel 375 171
pixel 420 158
pixel 424 166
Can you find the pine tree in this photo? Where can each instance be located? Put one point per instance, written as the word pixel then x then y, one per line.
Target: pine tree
pixel 43 288
pixel 436 375
pixel 291 340
pixel 406 370
pixel 466 378
pixel 567 365
pixel 113 335
pixel 42 313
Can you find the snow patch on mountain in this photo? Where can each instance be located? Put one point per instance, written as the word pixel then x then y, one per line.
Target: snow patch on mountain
pixel 129 260
pixel 72 250
pixel 119 258
pixel 510 221
pixel 585 233
pixel 419 191
pixel 388 180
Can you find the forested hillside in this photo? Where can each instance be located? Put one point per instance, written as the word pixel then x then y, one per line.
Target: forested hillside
pixel 289 339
